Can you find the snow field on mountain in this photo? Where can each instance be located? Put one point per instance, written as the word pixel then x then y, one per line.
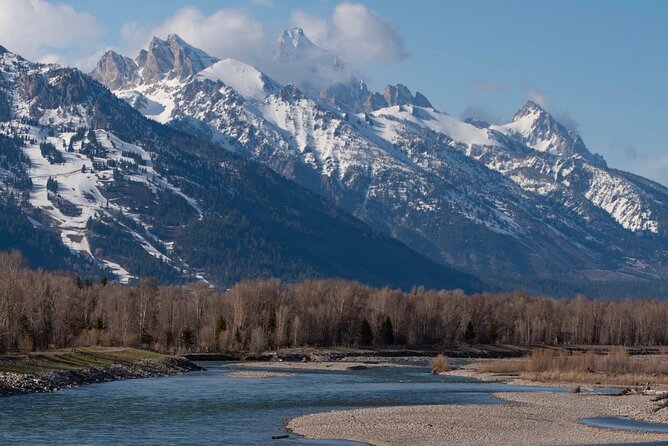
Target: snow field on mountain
pixel 247 80
pixel 436 121
pixel 621 200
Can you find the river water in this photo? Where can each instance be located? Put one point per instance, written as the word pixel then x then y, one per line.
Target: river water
pixel 212 408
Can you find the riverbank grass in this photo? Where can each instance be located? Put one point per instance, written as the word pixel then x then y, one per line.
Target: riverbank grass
pixel 616 367
pixel 76 358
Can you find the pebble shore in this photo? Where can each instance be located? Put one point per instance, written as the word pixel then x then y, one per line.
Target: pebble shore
pixel 529 418
pixel 257 374
pixel 19 383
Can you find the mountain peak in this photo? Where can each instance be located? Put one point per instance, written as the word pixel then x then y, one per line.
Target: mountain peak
pixel 156 41
pixel 295 32
pixel 115 71
pixel 175 38
pixel 172 58
pixel 400 95
pixel 292 44
pixel 3 50
pixel 530 107
pixel 543 132
pixel 294 37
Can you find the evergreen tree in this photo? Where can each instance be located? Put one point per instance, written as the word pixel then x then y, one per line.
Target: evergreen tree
pixel 187 338
pixel 490 335
pixel 366 335
pixel 92 138
pixel 387 332
pixel 271 325
pixel 52 185
pixel 221 326
pixel 98 324
pixel 469 334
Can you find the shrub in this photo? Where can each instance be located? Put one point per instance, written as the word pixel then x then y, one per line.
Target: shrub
pixel 440 364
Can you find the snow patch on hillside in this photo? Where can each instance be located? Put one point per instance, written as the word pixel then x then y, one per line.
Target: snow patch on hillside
pixel 80 182
pixel 621 200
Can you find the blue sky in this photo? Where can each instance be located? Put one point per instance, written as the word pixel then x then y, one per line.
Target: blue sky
pixel 600 66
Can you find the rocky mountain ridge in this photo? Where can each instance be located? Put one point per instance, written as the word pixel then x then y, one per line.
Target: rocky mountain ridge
pixel 93 186
pixel 524 199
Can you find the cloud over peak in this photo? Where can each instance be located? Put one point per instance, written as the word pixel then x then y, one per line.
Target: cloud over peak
pixel 354 33
pixel 226 33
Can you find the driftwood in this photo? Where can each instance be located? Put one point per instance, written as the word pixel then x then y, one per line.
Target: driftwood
pixel 659 397
pixel 661 400
pixel 639 390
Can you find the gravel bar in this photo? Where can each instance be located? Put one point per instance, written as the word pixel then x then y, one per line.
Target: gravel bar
pixel 529 419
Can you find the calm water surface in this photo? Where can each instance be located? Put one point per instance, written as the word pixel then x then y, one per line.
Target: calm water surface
pixel 204 408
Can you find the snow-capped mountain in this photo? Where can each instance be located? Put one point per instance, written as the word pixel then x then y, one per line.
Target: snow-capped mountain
pixel 243 78
pixel 88 183
pixel 299 61
pixel 540 131
pixel 518 200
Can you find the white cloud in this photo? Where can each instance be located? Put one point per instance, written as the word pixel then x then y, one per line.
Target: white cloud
pixel 132 33
pixel 539 97
pixel 354 33
pixel 544 100
pixel 41 30
pixel 316 29
pixel 226 33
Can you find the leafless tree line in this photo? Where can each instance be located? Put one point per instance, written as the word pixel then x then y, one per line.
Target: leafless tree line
pixel 41 310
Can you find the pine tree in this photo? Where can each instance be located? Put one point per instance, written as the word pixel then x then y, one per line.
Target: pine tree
pixel 52 185
pixel 92 138
pixel 271 325
pixel 469 334
pixel 490 335
pixel 387 332
pixel 366 335
pixel 187 338
pixel 221 326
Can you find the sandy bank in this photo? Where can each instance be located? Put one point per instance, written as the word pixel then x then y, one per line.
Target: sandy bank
pixel 531 418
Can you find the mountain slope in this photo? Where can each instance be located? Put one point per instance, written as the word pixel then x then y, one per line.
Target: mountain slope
pixel 134 197
pixel 512 202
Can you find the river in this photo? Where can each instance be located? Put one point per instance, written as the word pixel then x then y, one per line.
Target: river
pixel 212 408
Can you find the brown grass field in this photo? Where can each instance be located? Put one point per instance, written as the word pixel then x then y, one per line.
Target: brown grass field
pixel 616 367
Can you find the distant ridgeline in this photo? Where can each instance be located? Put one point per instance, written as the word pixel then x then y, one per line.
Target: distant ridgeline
pixel 42 310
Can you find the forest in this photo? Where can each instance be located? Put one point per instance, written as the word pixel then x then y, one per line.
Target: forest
pixel 41 310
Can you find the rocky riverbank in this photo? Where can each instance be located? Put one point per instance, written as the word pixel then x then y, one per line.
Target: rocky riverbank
pixel 51 372
pixel 351 354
